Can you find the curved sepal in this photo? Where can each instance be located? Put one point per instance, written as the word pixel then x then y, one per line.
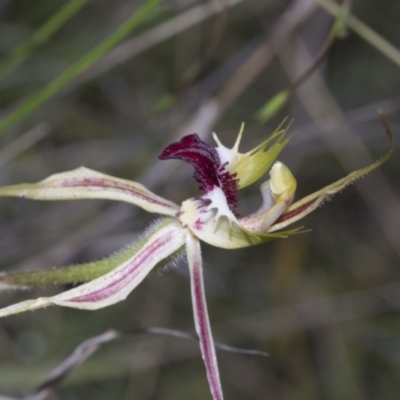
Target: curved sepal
pixel 309 203
pixel 84 183
pixel 81 272
pixel 114 286
pixel 213 224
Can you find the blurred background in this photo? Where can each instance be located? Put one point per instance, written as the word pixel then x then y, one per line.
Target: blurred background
pixel 324 304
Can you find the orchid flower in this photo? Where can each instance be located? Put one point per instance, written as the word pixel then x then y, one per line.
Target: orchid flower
pixel 210 217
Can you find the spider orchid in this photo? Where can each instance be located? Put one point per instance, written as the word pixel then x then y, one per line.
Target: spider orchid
pixel 211 217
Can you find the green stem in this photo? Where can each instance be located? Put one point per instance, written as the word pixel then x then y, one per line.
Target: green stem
pixel 365 32
pixel 51 26
pixel 78 67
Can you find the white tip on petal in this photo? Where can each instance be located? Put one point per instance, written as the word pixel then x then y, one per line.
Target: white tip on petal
pixel 239 138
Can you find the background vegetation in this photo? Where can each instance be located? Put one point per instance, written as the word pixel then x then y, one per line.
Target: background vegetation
pixel 324 305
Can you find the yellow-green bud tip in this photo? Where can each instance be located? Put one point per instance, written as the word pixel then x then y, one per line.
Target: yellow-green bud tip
pixel 282 179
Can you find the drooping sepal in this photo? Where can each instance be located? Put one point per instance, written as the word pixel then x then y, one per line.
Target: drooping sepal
pixel 85 272
pixel 114 286
pixel 84 183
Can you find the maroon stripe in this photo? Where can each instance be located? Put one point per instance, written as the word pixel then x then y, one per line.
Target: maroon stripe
pixel 131 270
pixel 204 332
pixel 101 183
pixel 296 211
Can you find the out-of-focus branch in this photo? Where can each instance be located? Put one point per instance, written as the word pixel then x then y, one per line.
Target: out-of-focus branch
pixel 293 17
pixel 337 31
pixel 156 35
pixel 24 142
pixel 216 37
pixel 212 109
pixel 41 36
pixel 90 346
pixel 78 67
pixel 201 122
pixel 320 104
pixel 365 32
pixel 310 314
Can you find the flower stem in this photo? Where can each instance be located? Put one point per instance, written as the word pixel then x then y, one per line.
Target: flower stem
pixel 202 321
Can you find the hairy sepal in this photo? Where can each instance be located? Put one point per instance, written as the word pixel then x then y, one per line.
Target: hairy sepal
pixel 309 203
pixel 82 272
pixel 84 183
pixel 117 284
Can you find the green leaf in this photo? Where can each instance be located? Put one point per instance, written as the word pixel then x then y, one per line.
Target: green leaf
pixel 44 33
pixel 78 67
pixel 273 106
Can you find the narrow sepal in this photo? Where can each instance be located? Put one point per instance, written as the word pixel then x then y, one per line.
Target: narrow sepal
pixel 309 203
pixel 81 272
pixel 117 284
pixel 84 183
pixel 201 318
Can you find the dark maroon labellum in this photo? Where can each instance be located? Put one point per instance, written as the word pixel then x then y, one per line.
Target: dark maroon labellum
pixel 208 170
